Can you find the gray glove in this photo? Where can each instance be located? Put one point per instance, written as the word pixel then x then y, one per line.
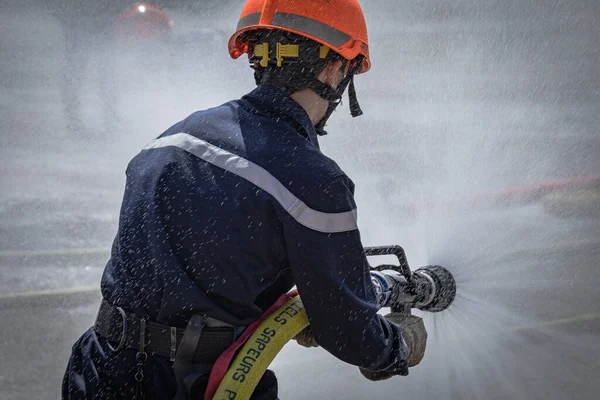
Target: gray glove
pixel 306 338
pixel 414 336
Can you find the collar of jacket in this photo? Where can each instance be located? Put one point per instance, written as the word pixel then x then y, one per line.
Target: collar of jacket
pixel 277 101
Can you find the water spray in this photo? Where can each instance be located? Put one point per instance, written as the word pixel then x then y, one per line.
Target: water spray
pixel 431 288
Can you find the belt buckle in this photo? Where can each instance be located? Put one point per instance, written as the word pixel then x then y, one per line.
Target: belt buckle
pixel 123 333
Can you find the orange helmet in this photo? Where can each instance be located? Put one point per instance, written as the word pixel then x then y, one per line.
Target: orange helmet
pixel 337 24
pixel 142 21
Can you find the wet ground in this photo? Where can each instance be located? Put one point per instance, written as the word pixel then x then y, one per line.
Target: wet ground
pixel 465 98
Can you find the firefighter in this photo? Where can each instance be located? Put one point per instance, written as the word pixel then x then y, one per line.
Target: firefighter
pixel 233 206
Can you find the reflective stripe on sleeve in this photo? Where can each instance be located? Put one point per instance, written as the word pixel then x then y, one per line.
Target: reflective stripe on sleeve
pixel 255 174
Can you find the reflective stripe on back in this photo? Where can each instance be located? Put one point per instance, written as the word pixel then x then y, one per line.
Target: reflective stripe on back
pixel 255 174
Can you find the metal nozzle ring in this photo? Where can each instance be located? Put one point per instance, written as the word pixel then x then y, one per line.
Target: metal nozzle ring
pixel 433 290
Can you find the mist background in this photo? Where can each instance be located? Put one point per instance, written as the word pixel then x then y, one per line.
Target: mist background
pixel 465 99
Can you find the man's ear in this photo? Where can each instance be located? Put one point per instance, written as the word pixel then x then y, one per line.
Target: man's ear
pixel 332 75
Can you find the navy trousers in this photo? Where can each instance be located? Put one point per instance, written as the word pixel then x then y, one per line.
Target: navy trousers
pixel 96 372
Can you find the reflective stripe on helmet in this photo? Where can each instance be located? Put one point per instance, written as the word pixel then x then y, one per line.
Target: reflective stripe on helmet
pixel 257 175
pixel 312 27
pixel 307 25
pixel 250 19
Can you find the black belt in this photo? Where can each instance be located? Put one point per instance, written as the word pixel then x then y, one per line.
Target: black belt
pixel 123 328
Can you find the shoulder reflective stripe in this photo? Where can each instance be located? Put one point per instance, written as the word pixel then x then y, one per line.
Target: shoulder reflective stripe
pixel 250 19
pixel 311 26
pixel 313 219
pixel 325 222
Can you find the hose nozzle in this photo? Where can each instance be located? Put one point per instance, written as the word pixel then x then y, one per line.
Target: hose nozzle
pixel 431 288
pixel 435 288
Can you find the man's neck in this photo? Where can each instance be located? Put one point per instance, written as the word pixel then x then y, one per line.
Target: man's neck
pixel 314 105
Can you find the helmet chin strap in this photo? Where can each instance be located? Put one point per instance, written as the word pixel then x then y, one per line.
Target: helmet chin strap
pixel 335 100
pixel 334 97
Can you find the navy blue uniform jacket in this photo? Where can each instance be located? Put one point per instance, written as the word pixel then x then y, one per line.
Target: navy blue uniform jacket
pixel 230 208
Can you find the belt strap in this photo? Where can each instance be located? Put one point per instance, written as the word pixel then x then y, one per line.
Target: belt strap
pixel 122 327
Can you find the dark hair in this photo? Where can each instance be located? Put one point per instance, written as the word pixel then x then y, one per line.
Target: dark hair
pixel 294 72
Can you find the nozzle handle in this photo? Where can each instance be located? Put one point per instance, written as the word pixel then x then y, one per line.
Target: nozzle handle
pixel 402 268
pixel 394 250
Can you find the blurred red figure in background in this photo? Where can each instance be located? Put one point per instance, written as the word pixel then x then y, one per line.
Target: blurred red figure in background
pixel 141 22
